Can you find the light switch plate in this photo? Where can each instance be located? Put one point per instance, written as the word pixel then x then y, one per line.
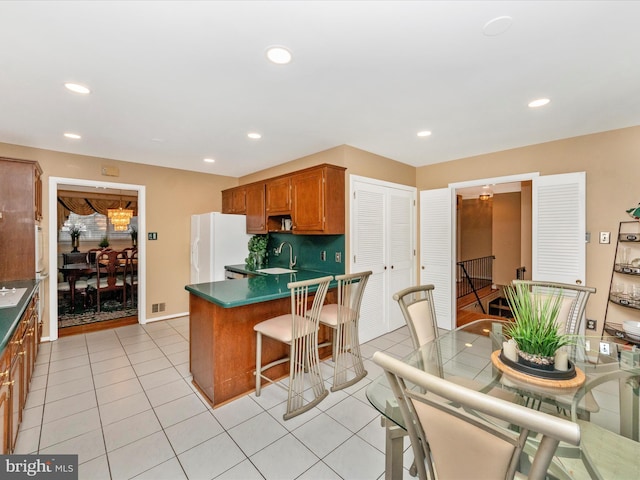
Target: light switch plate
pixel 605 237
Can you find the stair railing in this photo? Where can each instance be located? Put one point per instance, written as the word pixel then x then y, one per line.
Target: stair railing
pixel 474 275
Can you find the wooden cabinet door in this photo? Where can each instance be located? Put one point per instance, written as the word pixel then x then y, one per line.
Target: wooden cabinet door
pixel 255 212
pixel 278 196
pixel 18 234
pixel 5 416
pixel 234 201
pixel 16 382
pixel 308 194
pixel 29 345
pixel 5 403
pixel 238 200
pixel 227 201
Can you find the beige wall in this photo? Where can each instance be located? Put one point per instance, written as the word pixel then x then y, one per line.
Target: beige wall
pixel 612 166
pixel 475 221
pixel 506 237
pixel 172 196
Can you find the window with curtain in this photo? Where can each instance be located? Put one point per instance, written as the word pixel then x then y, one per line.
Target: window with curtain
pixel 88 212
pixel 94 227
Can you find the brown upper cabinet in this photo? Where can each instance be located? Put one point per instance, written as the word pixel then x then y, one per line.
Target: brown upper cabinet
pixel 234 200
pixel 318 200
pixel 255 211
pixel 313 199
pixel 21 208
pixel 278 196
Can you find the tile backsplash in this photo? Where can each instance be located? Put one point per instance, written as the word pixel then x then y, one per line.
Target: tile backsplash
pixel 310 251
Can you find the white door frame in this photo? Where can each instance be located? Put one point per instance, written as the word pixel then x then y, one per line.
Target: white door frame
pixel 54 182
pixel 522 177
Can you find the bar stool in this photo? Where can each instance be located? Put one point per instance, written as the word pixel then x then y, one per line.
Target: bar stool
pixel 299 330
pixel 343 319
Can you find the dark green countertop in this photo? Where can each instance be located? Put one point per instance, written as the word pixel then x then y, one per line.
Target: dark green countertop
pixel 10 316
pixel 245 291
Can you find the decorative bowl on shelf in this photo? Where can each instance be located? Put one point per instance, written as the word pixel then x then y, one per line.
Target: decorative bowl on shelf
pixel 631 328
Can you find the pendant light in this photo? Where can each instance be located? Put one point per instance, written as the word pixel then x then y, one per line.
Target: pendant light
pixel 120 217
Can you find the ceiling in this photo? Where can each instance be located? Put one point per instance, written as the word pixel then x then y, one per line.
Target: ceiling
pixel 175 82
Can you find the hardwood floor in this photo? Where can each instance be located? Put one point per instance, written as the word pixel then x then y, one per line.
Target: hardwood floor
pixel 464 316
pixel 94 327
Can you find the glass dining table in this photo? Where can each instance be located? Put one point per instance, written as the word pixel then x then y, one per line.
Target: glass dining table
pixel 603 399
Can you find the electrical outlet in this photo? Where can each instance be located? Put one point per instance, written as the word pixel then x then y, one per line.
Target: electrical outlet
pixel 323 255
pixel 592 324
pixel 604 348
pixel 338 257
pixel 605 237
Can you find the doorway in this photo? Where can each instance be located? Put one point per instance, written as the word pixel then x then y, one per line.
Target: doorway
pixel 57 184
pixel 558 229
pixel 493 246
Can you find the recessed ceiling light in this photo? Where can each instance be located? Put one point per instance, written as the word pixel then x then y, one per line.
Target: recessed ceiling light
pixel 279 55
pixel 424 133
pixel 254 135
pixel 75 136
pixel 497 26
pixel 77 88
pixel 540 102
pixel 209 160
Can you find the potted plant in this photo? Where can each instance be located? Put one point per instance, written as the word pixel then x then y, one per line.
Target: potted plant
pixel 257 251
pixel 534 329
pixel 75 231
pixel 104 243
pixel 634 212
pixel 133 231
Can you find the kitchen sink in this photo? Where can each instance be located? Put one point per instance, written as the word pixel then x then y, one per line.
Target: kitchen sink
pixel 275 270
pixel 10 297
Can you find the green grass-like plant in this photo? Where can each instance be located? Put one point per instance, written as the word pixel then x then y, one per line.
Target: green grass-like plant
pixel 535 329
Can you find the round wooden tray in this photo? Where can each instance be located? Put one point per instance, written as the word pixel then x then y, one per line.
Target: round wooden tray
pixel 574 382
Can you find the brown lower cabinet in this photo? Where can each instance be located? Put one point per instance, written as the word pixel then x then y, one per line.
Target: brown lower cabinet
pixel 222 345
pixel 16 366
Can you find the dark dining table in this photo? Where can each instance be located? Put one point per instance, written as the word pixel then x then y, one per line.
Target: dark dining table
pixel 609 445
pixel 72 272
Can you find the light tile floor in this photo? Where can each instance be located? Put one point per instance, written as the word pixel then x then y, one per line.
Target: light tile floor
pixel 122 399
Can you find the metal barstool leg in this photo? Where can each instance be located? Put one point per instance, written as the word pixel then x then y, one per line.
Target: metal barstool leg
pixel 258 362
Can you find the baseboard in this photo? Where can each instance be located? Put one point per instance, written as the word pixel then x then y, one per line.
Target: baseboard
pixel 166 317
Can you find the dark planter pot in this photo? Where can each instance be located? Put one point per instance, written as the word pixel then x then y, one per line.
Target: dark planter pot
pixel 536 361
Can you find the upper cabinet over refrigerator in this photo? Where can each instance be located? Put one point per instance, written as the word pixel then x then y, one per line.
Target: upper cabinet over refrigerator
pixel 217 240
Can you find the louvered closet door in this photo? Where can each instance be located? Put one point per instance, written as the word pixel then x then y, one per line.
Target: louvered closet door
pixel 401 234
pixel 559 226
pixel 368 247
pixel 436 252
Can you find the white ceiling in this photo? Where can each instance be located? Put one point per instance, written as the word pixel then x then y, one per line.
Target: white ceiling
pixel 175 82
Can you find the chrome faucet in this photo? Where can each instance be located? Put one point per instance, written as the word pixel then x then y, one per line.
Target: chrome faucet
pixel 292 259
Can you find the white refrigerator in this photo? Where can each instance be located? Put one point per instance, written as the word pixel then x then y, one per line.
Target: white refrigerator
pixel 217 239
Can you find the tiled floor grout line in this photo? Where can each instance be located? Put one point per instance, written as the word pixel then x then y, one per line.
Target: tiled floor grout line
pixel 152 407
pixel 95 393
pixel 91 341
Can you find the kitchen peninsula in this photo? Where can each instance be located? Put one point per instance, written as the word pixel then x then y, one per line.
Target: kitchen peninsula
pixel 222 340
